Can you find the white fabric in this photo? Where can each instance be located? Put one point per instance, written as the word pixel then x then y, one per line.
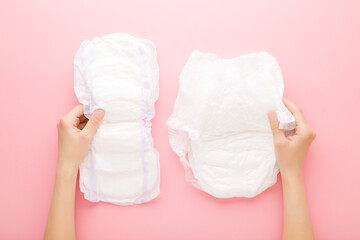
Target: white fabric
pixel 119 73
pixel 219 127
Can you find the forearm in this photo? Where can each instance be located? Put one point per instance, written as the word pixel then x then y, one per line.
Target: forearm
pixel 61 224
pixel 297 223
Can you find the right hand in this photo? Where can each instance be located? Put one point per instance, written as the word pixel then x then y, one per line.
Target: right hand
pixel 291 151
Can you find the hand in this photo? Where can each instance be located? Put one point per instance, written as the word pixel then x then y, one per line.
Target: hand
pixel 291 151
pixel 75 132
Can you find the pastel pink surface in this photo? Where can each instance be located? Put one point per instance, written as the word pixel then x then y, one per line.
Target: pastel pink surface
pixel 316 44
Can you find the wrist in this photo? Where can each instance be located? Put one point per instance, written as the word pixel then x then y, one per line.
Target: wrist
pixel 67 169
pixel 291 176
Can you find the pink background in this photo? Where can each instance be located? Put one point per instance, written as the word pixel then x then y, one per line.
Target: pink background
pixel 317 44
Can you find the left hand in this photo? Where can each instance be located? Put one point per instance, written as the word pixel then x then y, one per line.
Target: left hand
pixel 75 133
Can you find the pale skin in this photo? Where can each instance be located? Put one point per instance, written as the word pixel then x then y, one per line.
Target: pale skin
pixel 74 137
pixel 290 155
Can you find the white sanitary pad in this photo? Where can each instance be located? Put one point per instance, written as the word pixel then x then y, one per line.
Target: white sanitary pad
pixel 119 73
pixel 219 127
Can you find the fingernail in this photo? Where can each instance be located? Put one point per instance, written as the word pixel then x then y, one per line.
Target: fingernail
pixel 272 115
pixel 99 113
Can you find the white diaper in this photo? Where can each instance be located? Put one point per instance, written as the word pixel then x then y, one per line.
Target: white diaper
pixel 119 73
pixel 219 127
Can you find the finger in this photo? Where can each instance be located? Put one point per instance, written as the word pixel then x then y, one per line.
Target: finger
pixel 289 133
pixel 278 134
pixel 93 123
pixel 296 112
pixel 81 125
pixel 82 118
pixel 77 111
pixel 72 117
pixel 76 115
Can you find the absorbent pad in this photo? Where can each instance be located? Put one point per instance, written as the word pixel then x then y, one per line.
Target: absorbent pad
pixel 219 127
pixel 119 73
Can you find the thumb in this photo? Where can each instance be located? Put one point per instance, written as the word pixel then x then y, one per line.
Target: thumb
pixel 278 134
pixel 93 123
